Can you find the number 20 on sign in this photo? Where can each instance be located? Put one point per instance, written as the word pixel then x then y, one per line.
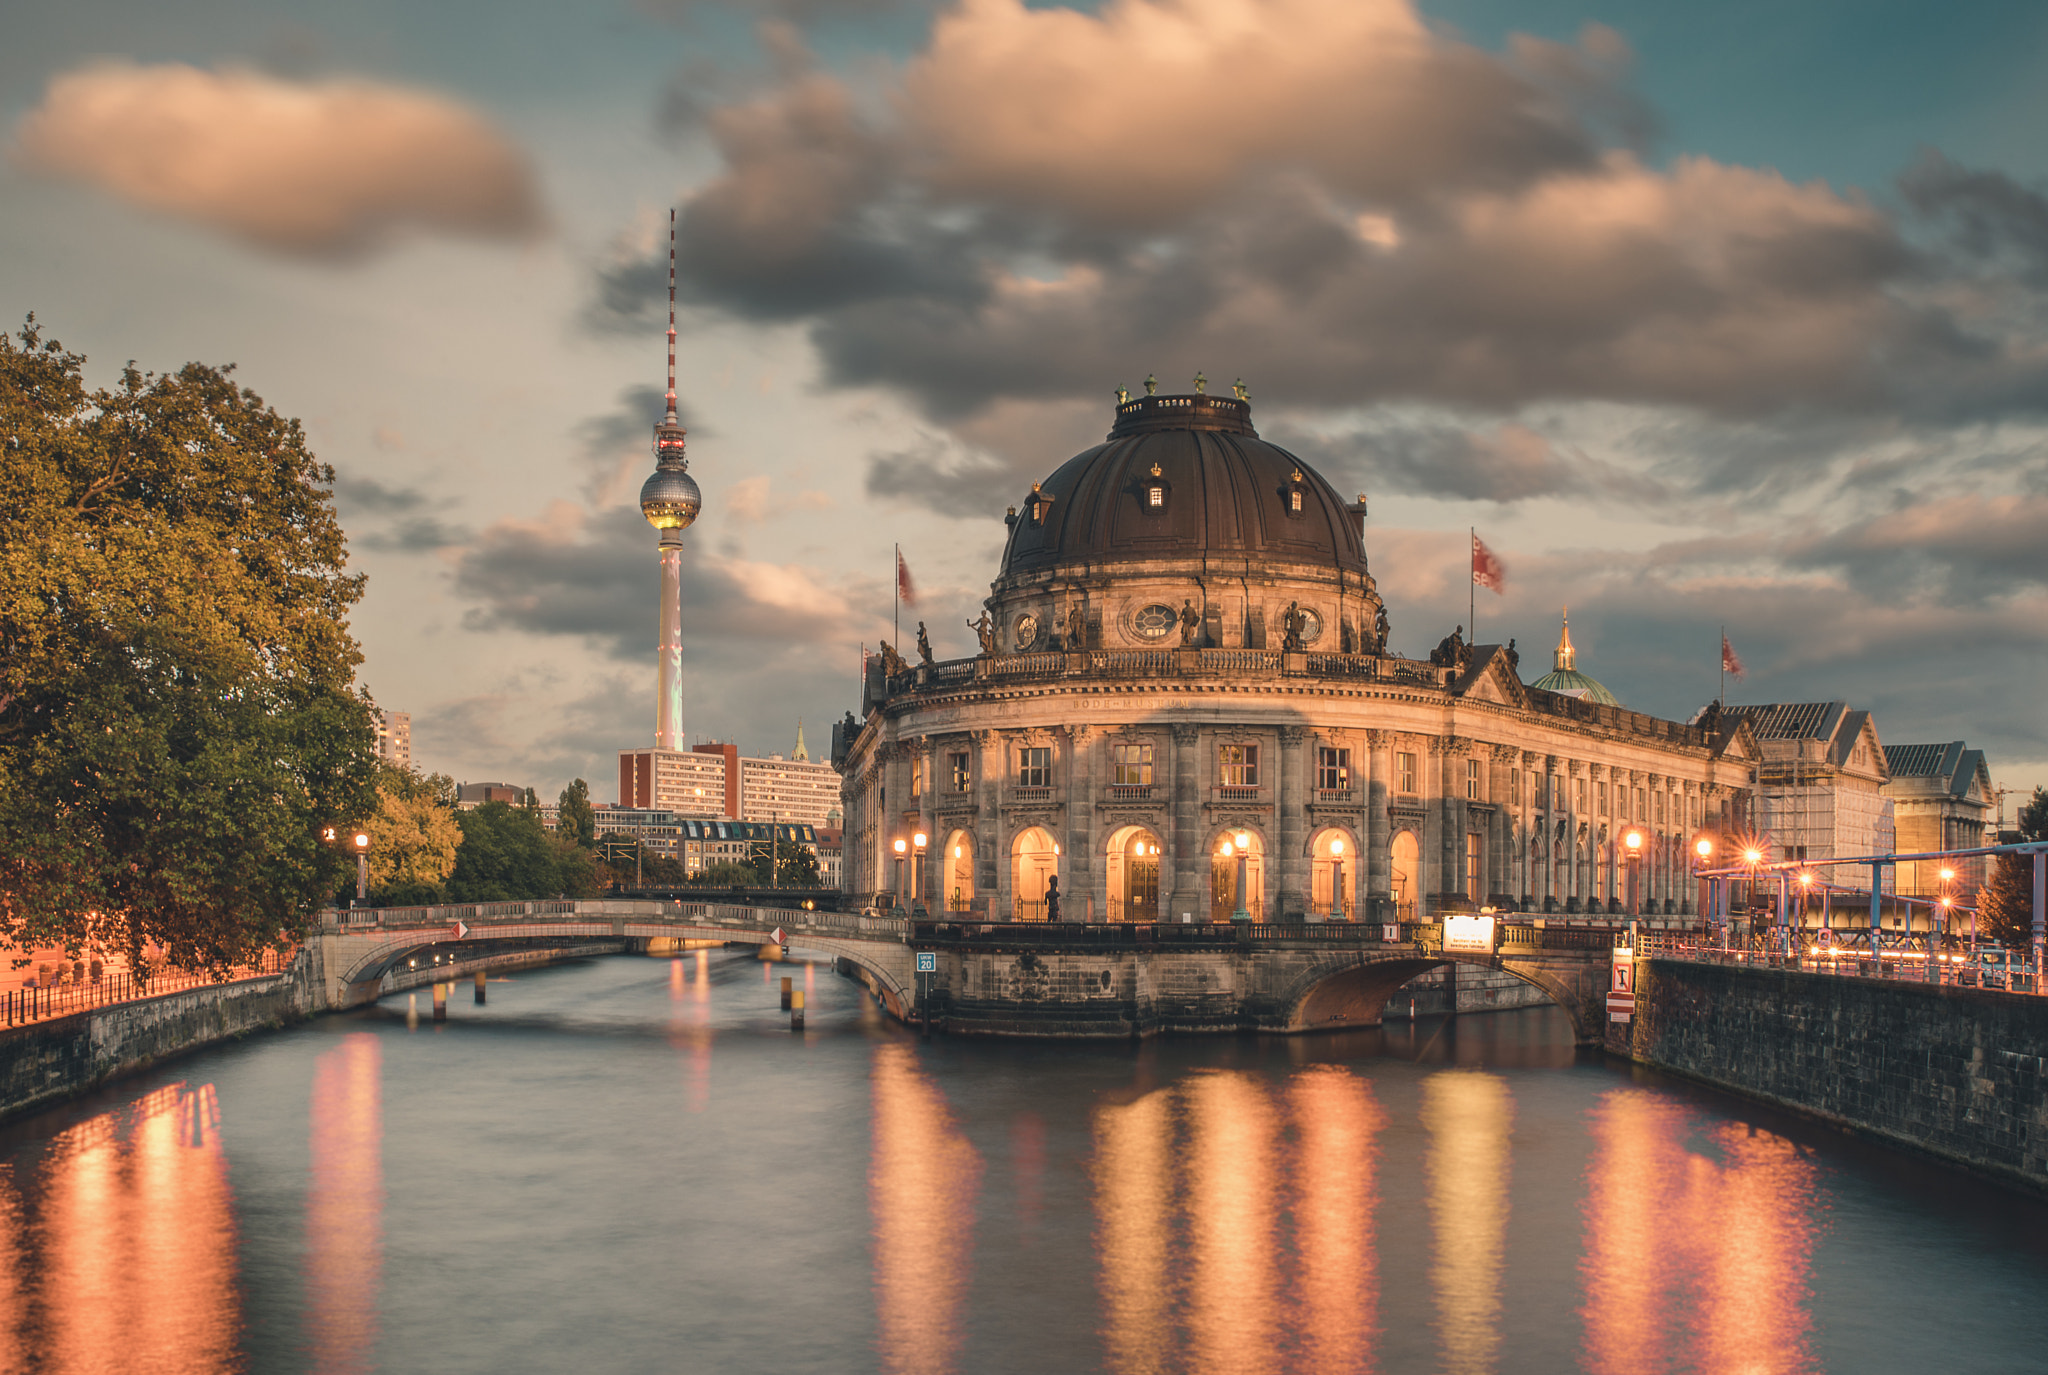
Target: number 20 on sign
pixel 927 962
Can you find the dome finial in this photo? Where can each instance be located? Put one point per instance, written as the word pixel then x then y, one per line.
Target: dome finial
pixel 1123 395
pixel 1201 384
pixel 1244 393
pixel 1565 653
pixel 1151 384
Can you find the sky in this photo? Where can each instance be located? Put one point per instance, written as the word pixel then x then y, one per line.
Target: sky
pixel 1703 316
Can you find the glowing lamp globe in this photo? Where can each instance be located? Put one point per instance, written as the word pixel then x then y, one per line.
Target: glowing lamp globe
pixel 670 499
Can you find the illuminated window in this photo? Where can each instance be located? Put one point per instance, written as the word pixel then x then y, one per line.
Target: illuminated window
pixel 1333 768
pixel 1581 790
pixel 1642 807
pixel 1600 798
pixel 1294 500
pixel 957 766
pixel 1240 764
pixel 1034 766
pixel 1471 780
pixel 918 764
pixel 1472 865
pixel 1155 496
pixel 1404 767
pixel 1131 765
pixel 1155 622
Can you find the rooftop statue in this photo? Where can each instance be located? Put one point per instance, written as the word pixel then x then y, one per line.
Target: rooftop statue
pixel 892 662
pixel 984 630
pixel 1190 624
pixel 924 646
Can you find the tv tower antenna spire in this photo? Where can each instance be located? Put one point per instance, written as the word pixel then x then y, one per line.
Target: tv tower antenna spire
pixel 670 501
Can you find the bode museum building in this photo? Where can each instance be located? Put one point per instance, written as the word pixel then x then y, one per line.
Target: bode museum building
pixel 1184 686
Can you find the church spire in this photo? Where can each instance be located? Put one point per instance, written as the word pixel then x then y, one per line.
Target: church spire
pixel 1565 653
pixel 801 755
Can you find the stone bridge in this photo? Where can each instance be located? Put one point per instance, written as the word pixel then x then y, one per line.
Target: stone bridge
pixel 1003 978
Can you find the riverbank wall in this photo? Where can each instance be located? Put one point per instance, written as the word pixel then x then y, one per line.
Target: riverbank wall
pixel 46 1062
pixel 1960 1074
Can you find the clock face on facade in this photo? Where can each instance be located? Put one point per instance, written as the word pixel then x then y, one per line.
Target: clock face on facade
pixel 1311 626
pixel 1027 631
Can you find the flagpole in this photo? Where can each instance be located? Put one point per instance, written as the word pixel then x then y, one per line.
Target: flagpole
pixel 896 580
pixel 1471 592
pixel 1723 698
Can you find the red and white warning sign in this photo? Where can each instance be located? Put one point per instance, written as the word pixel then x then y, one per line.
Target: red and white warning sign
pixel 461 931
pixel 1621 986
pixel 779 938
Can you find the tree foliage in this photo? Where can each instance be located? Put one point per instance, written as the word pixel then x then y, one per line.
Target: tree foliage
pixel 576 819
pixel 178 724
pixel 413 836
pixel 793 865
pixel 2005 905
pixel 506 855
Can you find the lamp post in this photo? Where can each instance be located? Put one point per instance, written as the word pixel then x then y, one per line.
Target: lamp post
pixel 361 841
pixel 917 844
pixel 1244 843
pixel 1703 850
pixel 1752 857
pixel 1632 842
pixel 1337 884
pixel 1805 890
pixel 901 846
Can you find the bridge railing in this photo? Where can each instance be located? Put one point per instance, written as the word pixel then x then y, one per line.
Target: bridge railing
pixel 1146 934
pixel 1851 954
pixel 36 1001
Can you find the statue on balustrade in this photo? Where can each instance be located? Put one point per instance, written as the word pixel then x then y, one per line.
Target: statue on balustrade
pixel 892 662
pixel 1190 624
pixel 985 631
pixel 924 646
pixel 1292 622
pixel 1452 652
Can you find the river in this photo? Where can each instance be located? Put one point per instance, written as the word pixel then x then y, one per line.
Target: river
pixel 632 1164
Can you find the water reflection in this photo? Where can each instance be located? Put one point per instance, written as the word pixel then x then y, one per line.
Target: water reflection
pixel 690 1024
pixel 1337 1126
pixel 345 1206
pixel 924 1180
pixel 1468 1116
pixel 1234 1224
pixel 1693 1261
pixel 136 1242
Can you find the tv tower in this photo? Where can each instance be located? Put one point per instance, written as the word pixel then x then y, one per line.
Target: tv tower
pixel 670 501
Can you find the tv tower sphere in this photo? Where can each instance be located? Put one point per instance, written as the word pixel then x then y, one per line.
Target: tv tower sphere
pixel 670 499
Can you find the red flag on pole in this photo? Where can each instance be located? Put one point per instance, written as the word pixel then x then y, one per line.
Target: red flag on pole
pixel 904 587
pixel 1487 569
pixel 1729 663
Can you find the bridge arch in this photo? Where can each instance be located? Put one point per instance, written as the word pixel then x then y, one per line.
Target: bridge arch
pixel 1349 989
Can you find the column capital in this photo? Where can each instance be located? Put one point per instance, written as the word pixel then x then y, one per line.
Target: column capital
pixel 1293 735
pixel 1185 733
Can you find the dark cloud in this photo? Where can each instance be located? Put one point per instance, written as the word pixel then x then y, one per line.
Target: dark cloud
pixel 1506 463
pixel 393 519
pixel 365 495
pixel 939 477
pixel 1374 212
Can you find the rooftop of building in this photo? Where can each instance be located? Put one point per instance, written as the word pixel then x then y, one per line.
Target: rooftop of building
pixel 1953 766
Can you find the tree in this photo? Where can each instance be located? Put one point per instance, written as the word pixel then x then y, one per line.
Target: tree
pixel 795 865
pixel 413 838
pixel 577 819
pixel 506 856
pixel 723 873
pixel 179 726
pixel 2005 905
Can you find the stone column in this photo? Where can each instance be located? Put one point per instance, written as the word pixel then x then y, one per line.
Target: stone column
pixel 1378 865
pixel 1292 817
pixel 1575 887
pixel 927 886
pixel 1190 862
pixel 1079 868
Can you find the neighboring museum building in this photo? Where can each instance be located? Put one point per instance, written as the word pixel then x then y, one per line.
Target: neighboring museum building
pixel 1184 657
pixel 1821 782
pixel 1942 799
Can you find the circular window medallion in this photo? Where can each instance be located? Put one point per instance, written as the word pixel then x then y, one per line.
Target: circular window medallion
pixel 1155 622
pixel 1311 626
pixel 1027 631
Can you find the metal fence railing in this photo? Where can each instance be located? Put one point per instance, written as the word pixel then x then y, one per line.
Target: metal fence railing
pixel 1852 954
pixel 44 1002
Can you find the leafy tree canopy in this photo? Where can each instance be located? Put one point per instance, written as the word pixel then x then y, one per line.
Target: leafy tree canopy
pixel 794 865
pixel 413 836
pixel 506 855
pixel 2005 906
pixel 178 725
pixel 577 819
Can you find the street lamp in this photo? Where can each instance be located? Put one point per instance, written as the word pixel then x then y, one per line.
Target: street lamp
pixel 917 842
pixel 361 841
pixel 901 846
pixel 1632 841
pixel 1337 887
pixel 1244 845
pixel 1703 851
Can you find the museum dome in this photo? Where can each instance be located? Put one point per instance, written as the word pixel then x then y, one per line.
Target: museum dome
pixel 1564 678
pixel 1183 477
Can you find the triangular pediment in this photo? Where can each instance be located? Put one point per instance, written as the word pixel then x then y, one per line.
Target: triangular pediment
pixel 1490 677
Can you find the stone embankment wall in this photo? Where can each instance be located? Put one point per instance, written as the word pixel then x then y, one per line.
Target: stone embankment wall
pixel 1961 1074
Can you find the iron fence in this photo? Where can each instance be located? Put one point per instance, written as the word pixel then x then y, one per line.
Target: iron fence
pixel 1855 955
pixel 39 1002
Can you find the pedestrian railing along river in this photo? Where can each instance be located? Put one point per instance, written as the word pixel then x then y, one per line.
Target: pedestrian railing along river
pixel 42 1002
pixel 1848 954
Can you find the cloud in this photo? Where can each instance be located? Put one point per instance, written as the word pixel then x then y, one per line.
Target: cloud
pixel 326 169
pixel 1346 207
pixel 398 518
pixel 1504 463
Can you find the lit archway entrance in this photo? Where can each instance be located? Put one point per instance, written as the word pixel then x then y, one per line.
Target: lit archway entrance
pixel 1132 874
pixel 1223 869
pixel 1034 859
pixel 1333 867
pixel 1405 868
pixel 958 867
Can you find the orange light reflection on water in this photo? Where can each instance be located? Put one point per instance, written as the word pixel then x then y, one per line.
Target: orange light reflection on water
pixel 137 1241
pixel 1469 1116
pixel 1335 1194
pixel 1133 1211
pixel 1692 1262
pixel 1231 1199
pixel 924 1180
pixel 345 1206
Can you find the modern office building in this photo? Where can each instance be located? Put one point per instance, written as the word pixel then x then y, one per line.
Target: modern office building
pixel 394 738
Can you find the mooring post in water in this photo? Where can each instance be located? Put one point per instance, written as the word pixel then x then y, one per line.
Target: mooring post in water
pixel 796 1009
pixel 479 988
pixel 785 994
pixel 440 1002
